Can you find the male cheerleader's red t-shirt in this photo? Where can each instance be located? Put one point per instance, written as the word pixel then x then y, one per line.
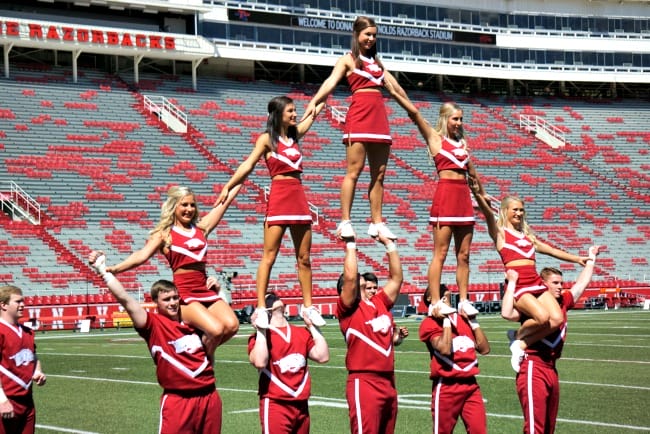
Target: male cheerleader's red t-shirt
pixel 181 362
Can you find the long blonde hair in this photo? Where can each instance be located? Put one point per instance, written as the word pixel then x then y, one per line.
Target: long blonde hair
pixel 502 220
pixel 167 211
pixel 446 111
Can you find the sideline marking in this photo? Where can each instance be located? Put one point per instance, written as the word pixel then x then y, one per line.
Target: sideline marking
pixel 403 371
pixel 342 403
pixel 59 429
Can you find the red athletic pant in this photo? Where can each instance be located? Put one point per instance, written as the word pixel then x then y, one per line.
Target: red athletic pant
pixel 451 398
pixel 372 402
pixel 284 417
pixel 190 414
pixel 538 387
pixel 24 420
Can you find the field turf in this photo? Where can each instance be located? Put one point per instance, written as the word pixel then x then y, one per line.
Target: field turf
pixel 104 382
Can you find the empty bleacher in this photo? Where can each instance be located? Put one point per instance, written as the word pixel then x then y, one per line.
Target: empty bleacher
pixel 101 167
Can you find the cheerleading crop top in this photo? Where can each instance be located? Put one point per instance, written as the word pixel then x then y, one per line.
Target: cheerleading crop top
pixel 187 248
pixel 287 158
pixel 452 156
pixel 516 246
pixel 370 75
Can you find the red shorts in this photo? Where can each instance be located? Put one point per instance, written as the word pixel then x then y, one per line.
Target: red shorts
pixel 287 203
pixel 24 420
pixel 192 288
pixel 452 204
pixel 372 403
pixel 279 417
pixel 366 120
pixel 528 282
pixel 190 414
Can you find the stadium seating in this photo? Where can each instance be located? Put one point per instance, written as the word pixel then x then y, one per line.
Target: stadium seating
pixel 101 166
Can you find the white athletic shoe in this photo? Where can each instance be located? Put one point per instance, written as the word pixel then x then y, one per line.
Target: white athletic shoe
pixel 262 320
pixel 345 231
pixel 467 307
pixel 517 355
pixel 313 315
pixel 443 308
pixel 380 228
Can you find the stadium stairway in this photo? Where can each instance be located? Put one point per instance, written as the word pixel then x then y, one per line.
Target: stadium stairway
pixel 112 194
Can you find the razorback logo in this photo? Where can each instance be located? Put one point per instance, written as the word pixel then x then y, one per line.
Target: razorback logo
pixel 373 67
pixel 194 243
pixel 381 324
pixel 523 242
pixel 291 363
pixel 187 344
pixel 461 344
pixel 291 152
pixel 460 152
pixel 23 357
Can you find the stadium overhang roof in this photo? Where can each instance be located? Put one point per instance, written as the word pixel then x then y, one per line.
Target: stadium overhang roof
pixel 185 7
pixel 78 39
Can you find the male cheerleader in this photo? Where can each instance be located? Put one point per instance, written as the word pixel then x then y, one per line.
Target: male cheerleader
pixel 19 366
pixel 190 403
pixel 538 384
pixel 367 325
pixel 280 353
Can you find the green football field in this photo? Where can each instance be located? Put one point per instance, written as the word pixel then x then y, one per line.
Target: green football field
pixel 104 382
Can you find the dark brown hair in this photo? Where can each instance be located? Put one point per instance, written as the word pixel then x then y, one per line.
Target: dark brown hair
pixel 275 110
pixel 162 286
pixel 360 24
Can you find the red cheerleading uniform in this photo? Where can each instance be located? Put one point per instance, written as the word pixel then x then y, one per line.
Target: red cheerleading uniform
pixel 366 119
pixel 285 383
pixel 287 203
pixel 455 392
pixel 286 159
pixel 18 359
pixel 452 156
pixel 189 248
pixel 286 376
pixel 17 366
pixel 538 384
pixel 190 402
pixel 519 246
pixel 369 76
pixel 370 390
pixel 550 347
pixel 452 203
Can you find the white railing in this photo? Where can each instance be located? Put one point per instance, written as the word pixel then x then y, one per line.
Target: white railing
pixel 18 201
pixel 167 112
pixel 534 124
pixel 315 213
pixel 452 66
pixel 339 113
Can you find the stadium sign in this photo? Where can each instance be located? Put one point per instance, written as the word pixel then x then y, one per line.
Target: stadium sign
pixel 338 25
pixel 84 35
